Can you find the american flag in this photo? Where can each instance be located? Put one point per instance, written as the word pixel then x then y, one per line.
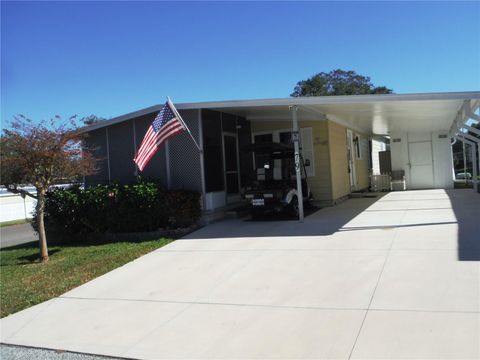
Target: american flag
pixel 165 125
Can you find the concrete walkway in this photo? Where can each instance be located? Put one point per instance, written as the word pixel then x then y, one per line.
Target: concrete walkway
pixel 396 277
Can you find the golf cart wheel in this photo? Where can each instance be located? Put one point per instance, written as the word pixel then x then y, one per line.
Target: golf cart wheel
pixel 293 207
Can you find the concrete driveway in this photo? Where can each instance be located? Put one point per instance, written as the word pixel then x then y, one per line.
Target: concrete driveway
pixel 393 277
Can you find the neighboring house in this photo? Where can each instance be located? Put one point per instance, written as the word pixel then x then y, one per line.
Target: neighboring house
pixel 335 134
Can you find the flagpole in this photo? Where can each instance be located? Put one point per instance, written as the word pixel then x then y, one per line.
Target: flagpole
pixel 183 123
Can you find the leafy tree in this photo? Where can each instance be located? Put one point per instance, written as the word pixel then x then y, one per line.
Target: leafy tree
pixel 92 119
pixel 42 155
pixel 337 82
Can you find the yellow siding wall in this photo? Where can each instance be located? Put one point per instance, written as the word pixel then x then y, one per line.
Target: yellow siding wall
pixel 337 135
pixel 331 180
pixel 320 184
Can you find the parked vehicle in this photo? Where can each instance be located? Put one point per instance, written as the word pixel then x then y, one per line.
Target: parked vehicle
pixel 463 176
pixel 273 184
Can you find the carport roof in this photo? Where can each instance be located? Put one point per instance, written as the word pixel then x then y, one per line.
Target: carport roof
pixel 370 114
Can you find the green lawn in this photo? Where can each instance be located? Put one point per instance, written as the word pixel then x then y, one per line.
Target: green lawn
pixel 25 282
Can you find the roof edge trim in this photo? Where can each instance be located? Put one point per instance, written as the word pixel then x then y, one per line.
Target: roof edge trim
pixel 308 100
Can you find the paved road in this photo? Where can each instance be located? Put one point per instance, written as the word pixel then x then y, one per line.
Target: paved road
pixel 395 277
pixel 16 235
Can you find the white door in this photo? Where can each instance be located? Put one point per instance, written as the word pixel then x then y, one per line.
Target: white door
pixel 421 165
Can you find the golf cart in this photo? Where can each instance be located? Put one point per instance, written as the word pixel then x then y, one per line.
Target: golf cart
pixel 273 186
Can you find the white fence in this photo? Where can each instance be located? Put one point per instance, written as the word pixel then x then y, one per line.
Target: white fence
pixel 15 207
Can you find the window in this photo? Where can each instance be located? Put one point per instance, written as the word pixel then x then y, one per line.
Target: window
pixel 358 147
pixel 285 137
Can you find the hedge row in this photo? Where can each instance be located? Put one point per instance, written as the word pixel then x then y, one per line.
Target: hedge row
pixel 119 208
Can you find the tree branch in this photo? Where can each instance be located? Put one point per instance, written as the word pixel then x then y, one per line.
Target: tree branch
pixel 16 190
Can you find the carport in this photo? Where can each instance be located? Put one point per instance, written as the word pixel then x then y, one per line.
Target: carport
pixel 420 126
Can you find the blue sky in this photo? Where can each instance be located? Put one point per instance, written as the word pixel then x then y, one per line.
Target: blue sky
pixel 109 58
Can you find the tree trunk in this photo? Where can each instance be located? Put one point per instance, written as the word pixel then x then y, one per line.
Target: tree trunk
pixel 41 225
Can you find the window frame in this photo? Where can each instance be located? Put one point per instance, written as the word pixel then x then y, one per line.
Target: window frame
pixel 357 143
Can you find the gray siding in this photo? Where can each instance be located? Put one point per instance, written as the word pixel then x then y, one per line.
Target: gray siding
pixel 120 140
pixel 125 137
pixel 184 156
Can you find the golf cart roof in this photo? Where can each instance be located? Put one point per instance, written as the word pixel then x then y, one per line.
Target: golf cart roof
pixel 269 148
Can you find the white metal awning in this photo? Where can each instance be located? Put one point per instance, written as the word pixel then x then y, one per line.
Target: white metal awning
pixel 370 114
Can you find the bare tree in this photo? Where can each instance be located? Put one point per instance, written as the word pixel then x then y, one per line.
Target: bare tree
pixel 42 154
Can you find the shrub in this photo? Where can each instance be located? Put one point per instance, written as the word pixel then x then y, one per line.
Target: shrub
pixel 183 206
pixel 116 208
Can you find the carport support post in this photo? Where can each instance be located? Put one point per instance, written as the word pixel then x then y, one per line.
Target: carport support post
pixel 295 136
